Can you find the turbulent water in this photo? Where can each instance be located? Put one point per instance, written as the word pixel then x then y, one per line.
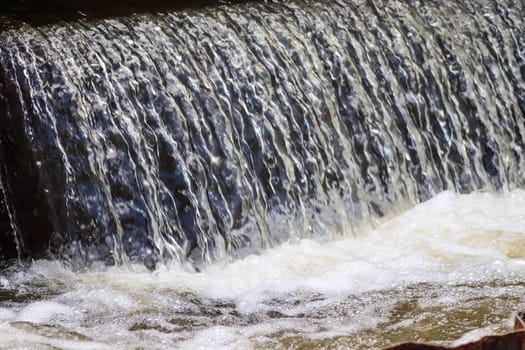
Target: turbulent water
pixel 270 164
pixel 449 270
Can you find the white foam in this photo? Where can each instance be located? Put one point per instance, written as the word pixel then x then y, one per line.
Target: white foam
pixel 6 314
pixel 438 241
pixel 44 311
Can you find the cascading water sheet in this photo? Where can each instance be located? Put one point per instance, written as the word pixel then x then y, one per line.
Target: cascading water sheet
pixel 191 135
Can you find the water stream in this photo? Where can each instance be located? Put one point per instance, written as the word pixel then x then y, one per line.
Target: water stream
pixel 270 163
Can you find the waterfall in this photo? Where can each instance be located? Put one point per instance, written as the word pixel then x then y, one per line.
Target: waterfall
pixel 9 235
pixel 199 135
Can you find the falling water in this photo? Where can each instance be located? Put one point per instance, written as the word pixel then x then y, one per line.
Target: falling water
pixel 197 135
pixel 8 227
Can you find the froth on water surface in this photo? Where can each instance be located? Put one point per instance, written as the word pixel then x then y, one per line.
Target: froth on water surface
pixel 448 271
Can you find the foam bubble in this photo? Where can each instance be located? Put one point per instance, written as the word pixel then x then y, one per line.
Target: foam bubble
pixel 44 311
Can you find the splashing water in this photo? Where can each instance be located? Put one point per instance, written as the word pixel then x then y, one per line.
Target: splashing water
pixel 283 150
pixel 449 270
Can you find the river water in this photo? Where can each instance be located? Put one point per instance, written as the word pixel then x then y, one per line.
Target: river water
pixel 448 270
pixel 290 174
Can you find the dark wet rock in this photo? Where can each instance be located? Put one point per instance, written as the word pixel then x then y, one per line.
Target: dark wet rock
pixel 150 262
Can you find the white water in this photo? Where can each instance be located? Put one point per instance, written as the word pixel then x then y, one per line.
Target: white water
pixel 448 270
